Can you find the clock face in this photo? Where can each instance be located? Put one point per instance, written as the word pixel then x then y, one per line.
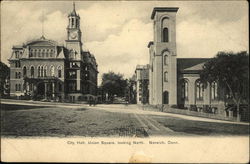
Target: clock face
pixel 73 35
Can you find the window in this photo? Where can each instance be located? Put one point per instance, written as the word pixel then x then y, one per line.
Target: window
pixel 166 59
pixel 45 71
pixel 18 75
pixel 76 22
pixel 86 76
pixel 17 64
pixel 39 71
pixel 24 86
pixel 24 71
pixel 214 91
pixel 32 71
pixel 166 76
pixel 47 53
pixel 165 35
pixel 184 89
pixel 39 53
pixel 31 87
pixel 35 53
pixel 59 73
pixel 72 86
pixel 72 21
pixel 31 53
pixel 18 87
pixel 43 52
pixel 199 90
pixel 52 71
pixel 51 53
pixel 72 74
pixel 17 54
pixel 73 65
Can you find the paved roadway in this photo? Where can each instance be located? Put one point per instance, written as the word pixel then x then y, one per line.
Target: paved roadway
pixel 149 123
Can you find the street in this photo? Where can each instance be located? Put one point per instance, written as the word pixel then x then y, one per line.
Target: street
pixel 30 118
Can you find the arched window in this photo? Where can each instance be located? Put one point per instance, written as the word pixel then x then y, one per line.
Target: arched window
pixel 184 89
pixel 39 71
pixel 59 71
pixel 199 90
pixel 166 76
pixel 52 71
pixel 45 71
pixel 32 71
pixel 166 59
pixel 165 37
pixel 24 71
pixel 72 21
pixel 214 90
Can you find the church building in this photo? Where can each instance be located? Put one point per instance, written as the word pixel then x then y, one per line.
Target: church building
pixel 176 81
pixel 44 70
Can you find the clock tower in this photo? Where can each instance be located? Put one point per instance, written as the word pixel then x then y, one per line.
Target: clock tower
pixel 74 34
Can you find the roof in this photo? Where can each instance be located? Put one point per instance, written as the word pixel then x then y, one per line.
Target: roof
pixel 73 13
pixel 196 67
pixel 42 40
pixel 190 64
pixel 163 9
pixel 17 47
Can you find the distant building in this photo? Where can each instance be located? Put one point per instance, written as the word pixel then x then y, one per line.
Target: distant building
pixel 42 69
pixel 172 80
pixel 142 82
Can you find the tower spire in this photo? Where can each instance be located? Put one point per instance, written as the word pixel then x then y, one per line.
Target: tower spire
pixel 74 8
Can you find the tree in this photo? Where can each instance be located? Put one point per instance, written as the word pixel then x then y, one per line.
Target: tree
pixel 4 74
pixel 114 84
pixel 131 91
pixel 231 71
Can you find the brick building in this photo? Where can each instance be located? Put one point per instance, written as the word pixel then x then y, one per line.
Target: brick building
pixel 43 69
pixel 142 81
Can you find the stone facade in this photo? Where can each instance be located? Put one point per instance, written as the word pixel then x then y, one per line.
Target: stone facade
pixel 163 71
pixel 175 81
pixel 43 69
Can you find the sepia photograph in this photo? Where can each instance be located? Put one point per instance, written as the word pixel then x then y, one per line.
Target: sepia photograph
pixel 125 81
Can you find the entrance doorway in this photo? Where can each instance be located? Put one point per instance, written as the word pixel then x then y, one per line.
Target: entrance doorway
pixel 165 97
pixel 41 89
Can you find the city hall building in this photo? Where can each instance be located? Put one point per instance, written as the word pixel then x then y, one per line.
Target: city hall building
pixel 42 69
pixel 172 80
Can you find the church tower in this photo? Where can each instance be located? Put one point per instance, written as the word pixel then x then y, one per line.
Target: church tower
pixel 74 34
pixel 163 75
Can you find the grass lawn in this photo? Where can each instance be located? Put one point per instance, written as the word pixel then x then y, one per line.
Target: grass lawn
pixel 202 128
pixel 22 120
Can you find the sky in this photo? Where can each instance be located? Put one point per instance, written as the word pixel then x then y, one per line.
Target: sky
pixel 117 32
